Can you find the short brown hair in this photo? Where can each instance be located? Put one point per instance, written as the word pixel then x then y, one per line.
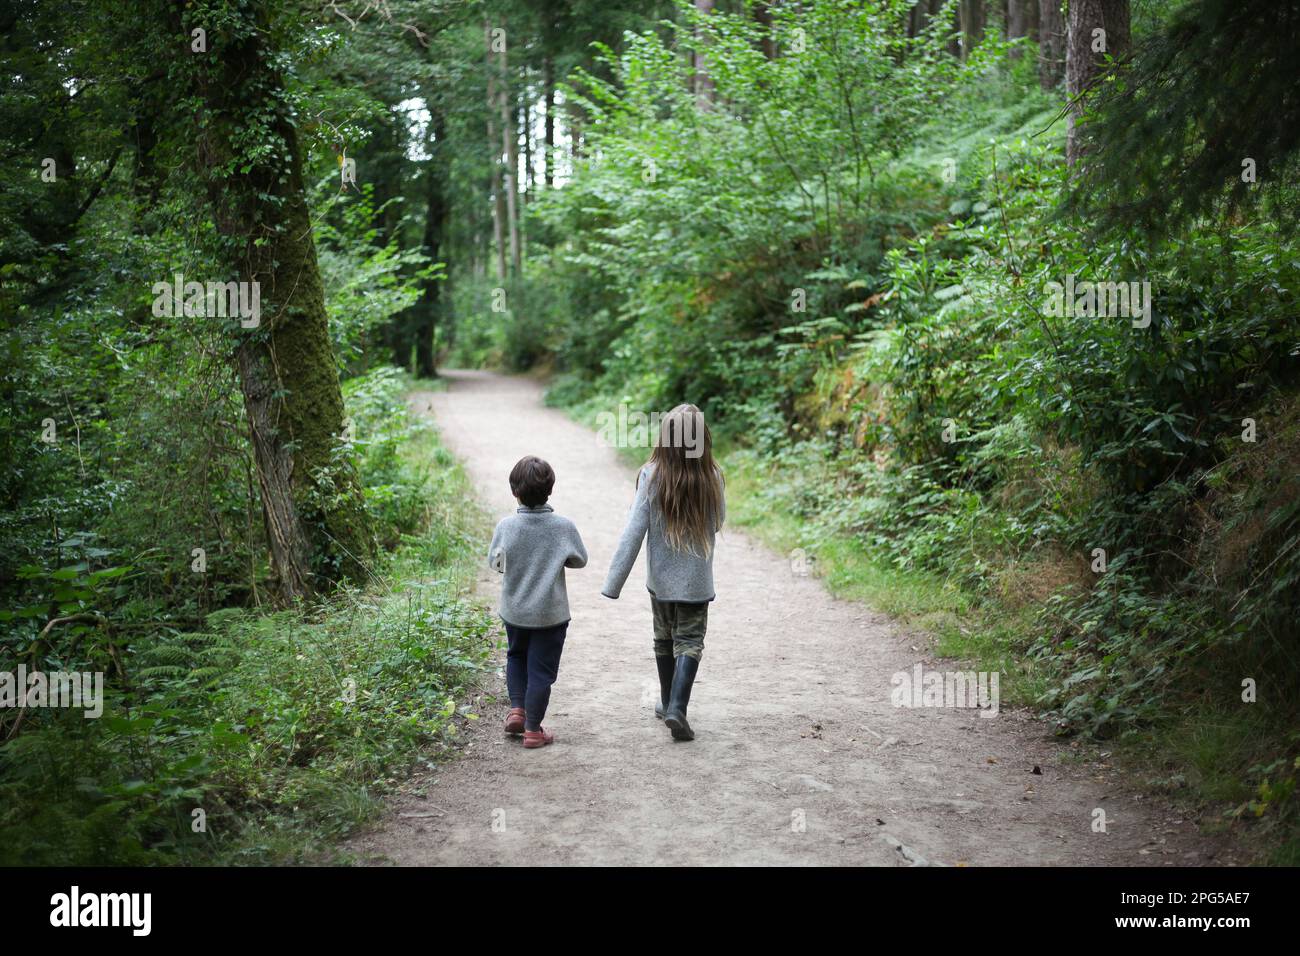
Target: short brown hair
pixel 531 481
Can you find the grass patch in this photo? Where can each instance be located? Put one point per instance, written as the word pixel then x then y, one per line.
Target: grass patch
pixel 759 499
pixel 762 498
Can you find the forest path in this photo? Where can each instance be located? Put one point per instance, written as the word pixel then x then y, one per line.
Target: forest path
pixel 792 713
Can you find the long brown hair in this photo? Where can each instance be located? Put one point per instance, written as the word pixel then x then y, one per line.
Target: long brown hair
pixel 687 482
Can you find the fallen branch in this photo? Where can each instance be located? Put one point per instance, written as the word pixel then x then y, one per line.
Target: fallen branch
pixel 98 619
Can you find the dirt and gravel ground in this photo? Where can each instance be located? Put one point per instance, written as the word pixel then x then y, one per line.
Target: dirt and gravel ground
pixel 800 756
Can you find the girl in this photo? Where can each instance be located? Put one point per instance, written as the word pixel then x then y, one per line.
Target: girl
pixel 679 508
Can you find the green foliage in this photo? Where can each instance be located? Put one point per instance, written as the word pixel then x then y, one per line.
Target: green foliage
pixel 397 490
pixel 993 416
pixel 685 230
pixel 367 282
pixel 840 247
pixel 930 405
pixel 282 728
pixel 505 323
pixel 1193 126
pixel 127 446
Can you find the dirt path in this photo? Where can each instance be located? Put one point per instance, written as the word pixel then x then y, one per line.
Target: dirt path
pixel 792 711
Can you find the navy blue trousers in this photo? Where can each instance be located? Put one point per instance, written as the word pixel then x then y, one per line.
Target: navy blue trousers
pixel 532 663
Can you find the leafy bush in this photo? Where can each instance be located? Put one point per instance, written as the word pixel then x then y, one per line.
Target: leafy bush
pixel 929 402
pixel 280 729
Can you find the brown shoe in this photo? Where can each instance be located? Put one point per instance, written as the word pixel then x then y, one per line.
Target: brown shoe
pixel 515 721
pixel 537 738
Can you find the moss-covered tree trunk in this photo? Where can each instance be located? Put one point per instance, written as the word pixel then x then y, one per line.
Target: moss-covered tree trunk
pixel 247 153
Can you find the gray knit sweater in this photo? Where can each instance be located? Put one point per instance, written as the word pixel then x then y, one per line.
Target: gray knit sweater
pixel 531 548
pixel 670 575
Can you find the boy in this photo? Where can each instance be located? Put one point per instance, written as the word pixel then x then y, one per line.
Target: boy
pixel 531 548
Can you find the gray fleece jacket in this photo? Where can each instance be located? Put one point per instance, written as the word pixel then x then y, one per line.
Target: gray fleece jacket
pixel 670 575
pixel 530 549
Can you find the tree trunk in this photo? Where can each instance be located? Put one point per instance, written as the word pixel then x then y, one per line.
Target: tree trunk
pixel 436 202
pixel 1051 44
pixel 494 150
pixel 704 88
pixel 922 15
pixel 917 18
pixel 955 40
pixel 312 502
pixel 146 185
pixel 1022 21
pixel 510 147
pixel 971 14
pixel 1098 30
pixel 527 128
pixel 763 15
pixel 548 84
